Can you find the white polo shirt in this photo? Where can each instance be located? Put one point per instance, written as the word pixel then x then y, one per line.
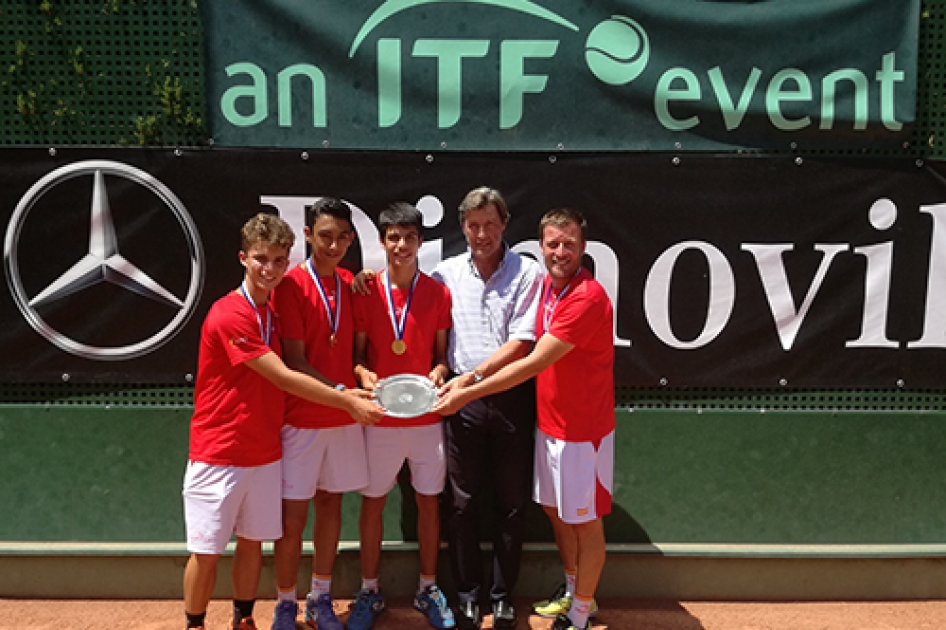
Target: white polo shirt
pixel 488 314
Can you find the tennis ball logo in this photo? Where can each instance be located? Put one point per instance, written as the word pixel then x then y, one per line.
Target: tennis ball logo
pixel 617 50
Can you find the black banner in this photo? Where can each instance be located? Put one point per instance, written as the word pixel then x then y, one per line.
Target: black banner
pixel 725 271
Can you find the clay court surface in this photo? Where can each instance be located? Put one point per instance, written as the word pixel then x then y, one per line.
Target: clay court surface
pixel 617 614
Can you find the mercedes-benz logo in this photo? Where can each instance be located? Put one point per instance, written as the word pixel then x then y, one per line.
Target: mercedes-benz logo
pixel 104 262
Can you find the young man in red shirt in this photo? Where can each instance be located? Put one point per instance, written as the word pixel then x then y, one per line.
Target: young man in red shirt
pixel 234 473
pixel 401 327
pixel 323 447
pixel 574 451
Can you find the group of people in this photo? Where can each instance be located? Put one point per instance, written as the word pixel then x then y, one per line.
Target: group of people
pixel 511 350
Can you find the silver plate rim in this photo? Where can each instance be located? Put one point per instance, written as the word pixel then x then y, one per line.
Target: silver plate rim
pixel 396 379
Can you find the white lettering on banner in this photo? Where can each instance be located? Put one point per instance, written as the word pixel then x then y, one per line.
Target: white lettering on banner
pixel 769 262
pixel 876 297
pixel 771 265
pixel 722 295
pixel 877 280
pixel 431 252
pixel 934 329
pixel 292 211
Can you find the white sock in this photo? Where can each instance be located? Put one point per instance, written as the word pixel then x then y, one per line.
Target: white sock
pixel 321 585
pixel 369 584
pixel 425 581
pixel 571 582
pixel 287 595
pixel 579 612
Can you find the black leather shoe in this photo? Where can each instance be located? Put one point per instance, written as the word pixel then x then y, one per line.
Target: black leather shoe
pixel 504 614
pixel 468 616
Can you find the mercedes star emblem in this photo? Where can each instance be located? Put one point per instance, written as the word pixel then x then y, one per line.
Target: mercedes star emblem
pixel 104 262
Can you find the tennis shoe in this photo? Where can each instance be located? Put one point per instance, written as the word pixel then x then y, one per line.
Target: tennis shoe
pixel 368 605
pixel 284 616
pixel 564 623
pixel 559 604
pixel 432 602
pixel 557 595
pixel 320 614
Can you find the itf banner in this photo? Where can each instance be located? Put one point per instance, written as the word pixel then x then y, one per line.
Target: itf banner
pixel 562 75
pixel 724 272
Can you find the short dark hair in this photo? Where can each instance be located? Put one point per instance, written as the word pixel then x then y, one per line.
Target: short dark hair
pixel 561 217
pixel 331 206
pixel 267 229
pixel 480 198
pixel 400 213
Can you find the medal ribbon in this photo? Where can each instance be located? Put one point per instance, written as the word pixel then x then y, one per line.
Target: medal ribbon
pixel 549 310
pixel 266 333
pixel 333 318
pixel 399 325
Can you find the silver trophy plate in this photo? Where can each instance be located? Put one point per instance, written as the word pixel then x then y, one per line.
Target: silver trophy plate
pixel 406 395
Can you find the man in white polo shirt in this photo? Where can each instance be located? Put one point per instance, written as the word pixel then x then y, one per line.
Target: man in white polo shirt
pixel 574 455
pixel 495 296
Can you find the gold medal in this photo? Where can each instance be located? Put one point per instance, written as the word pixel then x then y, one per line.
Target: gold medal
pixel 398 346
pixel 331 339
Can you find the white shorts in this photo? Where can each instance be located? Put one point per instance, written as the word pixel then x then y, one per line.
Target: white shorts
pixel 222 500
pixel 422 447
pixel 574 477
pixel 332 460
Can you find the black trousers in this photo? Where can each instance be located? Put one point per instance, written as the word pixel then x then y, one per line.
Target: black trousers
pixel 490 438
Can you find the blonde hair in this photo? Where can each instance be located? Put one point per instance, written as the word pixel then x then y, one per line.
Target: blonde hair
pixel 268 229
